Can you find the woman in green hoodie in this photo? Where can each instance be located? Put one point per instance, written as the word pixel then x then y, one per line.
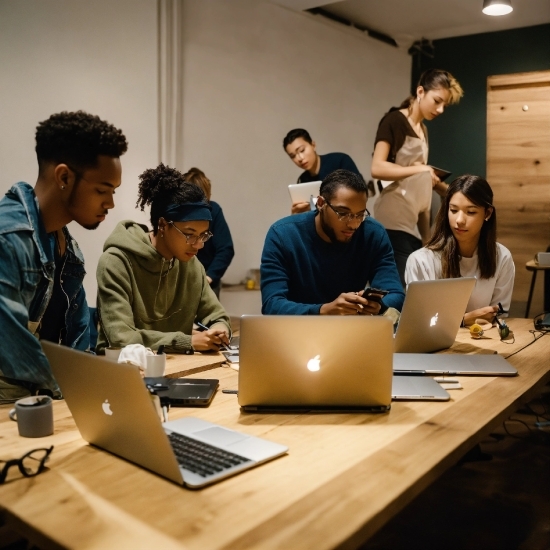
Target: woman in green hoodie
pixel 151 288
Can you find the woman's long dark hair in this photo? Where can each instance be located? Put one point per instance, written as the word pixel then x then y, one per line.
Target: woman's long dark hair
pixel 477 190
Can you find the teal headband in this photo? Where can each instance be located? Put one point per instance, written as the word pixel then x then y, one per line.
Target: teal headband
pixel 188 212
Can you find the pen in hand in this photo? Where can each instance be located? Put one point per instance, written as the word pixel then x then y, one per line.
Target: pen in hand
pixel 203 327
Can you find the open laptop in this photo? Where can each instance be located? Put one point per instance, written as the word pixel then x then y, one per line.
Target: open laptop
pixel 317 363
pixel 113 410
pixel 453 364
pixel 305 192
pixel 432 313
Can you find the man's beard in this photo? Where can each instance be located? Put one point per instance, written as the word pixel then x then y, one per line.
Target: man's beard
pixel 330 233
pixel 91 226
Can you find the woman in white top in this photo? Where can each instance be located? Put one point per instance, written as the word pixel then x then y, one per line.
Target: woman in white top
pixel 464 245
pixel 401 156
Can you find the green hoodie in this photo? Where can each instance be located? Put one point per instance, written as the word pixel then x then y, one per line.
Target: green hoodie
pixel 145 299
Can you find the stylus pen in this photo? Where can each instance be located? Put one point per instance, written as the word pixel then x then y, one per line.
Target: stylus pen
pixel 204 327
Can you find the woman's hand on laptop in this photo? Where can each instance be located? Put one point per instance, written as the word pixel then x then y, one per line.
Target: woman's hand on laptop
pixel 350 303
pixel 211 339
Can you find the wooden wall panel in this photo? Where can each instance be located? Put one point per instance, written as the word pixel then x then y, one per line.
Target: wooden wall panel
pixel 518 168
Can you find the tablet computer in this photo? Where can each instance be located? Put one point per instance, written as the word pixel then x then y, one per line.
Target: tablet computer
pixel 184 392
pixel 304 192
pixel 440 173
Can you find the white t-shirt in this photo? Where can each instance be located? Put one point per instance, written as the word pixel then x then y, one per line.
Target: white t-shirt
pixel 425 264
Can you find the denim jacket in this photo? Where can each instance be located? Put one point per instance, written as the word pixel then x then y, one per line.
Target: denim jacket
pixel 27 269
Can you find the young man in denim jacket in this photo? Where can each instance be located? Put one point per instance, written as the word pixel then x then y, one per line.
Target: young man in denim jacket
pixel 41 266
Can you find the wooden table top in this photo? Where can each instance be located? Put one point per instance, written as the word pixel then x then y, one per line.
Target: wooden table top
pixel 345 474
pixel 183 365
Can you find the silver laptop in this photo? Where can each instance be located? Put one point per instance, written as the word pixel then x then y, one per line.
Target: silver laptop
pixel 309 363
pixel 451 363
pixel 113 410
pixel 432 313
pixel 417 388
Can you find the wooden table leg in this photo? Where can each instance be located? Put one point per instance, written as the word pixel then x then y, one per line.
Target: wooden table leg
pixel 533 279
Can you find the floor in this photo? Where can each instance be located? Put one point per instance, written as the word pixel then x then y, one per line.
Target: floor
pixel 502 503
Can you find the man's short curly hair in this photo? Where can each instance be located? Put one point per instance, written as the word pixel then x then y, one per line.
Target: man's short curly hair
pixel 77 139
pixel 342 178
pixel 162 186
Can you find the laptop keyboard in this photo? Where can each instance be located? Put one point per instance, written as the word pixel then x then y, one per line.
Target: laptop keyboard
pixel 201 458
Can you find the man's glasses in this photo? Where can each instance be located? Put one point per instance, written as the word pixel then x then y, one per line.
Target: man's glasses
pixel 30 464
pixel 348 216
pixel 194 239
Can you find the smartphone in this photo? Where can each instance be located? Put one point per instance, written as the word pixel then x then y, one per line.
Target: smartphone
pixel 374 294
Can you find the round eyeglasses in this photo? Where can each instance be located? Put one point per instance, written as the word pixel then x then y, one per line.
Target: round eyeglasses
pixel 194 239
pixel 348 216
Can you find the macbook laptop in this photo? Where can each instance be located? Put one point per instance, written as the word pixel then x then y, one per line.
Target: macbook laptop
pixel 450 363
pixel 315 363
pixel 432 314
pixel 305 192
pixel 113 410
pixel 416 388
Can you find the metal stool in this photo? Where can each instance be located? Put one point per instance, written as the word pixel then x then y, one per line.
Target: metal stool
pixel 533 266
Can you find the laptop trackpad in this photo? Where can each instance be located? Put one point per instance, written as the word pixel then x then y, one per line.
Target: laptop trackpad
pixel 220 436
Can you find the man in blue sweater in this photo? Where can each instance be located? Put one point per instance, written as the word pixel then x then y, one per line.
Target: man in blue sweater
pixel 301 149
pixel 320 262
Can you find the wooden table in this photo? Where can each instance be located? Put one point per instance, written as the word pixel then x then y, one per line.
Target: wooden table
pixel 344 477
pixel 183 365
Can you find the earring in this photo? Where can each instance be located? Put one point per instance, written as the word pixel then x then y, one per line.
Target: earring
pixel 62 188
pixel 486 219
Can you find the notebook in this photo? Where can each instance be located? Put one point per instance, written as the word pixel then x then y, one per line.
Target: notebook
pixel 305 192
pixel 113 410
pixel 432 314
pixel 315 363
pixel 454 364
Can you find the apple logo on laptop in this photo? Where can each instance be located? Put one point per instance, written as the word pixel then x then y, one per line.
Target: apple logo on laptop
pixel 433 320
pixel 314 364
pixel 107 407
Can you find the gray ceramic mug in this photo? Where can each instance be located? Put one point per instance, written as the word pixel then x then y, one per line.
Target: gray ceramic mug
pixel 34 416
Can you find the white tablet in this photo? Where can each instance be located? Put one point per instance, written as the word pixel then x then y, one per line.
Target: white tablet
pixel 304 192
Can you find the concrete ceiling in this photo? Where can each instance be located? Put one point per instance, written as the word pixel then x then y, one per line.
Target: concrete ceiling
pixel 409 20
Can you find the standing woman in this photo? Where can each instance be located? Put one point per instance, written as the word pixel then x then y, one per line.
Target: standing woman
pixel 464 245
pixel 151 288
pixel 401 156
pixel 217 253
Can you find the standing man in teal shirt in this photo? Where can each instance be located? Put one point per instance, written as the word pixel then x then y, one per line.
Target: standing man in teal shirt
pixel 302 152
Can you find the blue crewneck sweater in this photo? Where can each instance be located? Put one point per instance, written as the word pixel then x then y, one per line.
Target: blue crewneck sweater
pixel 300 271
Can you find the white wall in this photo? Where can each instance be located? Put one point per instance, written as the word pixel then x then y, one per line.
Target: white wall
pixel 253 71
pixel 99 56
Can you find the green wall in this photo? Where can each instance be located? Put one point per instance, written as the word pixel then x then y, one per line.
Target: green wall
pixel 458 138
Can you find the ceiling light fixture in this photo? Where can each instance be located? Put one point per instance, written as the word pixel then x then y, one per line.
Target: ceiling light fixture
pixel 497 7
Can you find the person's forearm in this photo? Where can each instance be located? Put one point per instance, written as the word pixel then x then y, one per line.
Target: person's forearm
pixel 389 171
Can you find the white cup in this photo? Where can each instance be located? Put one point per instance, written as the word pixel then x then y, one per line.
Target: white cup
pixel 156 365
pixel 112 353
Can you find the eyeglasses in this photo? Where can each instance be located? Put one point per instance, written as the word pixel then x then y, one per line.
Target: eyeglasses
pixel 348 216
pixel 194 239
pixel 30 464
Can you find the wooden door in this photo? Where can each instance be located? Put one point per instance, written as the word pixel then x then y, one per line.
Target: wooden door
pixel 518 169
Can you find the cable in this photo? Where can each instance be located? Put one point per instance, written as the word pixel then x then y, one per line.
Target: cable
pixel 532 331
